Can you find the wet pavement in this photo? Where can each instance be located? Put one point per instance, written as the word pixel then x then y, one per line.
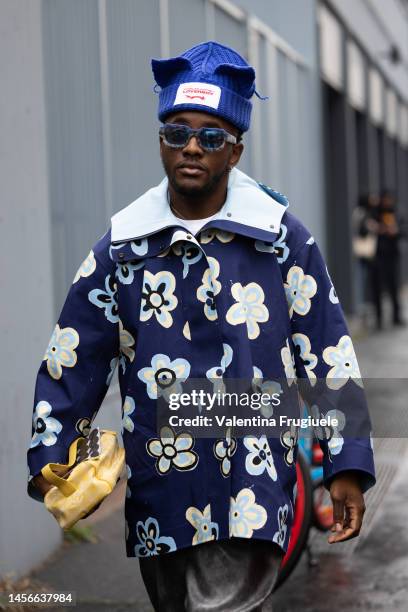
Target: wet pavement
pixel 370 572
pixel 367 573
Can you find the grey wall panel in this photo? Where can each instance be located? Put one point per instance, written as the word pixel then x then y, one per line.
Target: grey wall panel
pixel 285 120
pixel 133 38
pixel 377 25
pixel 74 127
pixel 293 20
pixel 230 31
pixel 263 172
pixel 295 133
pixel 308 177
pixel 299 144
pixel 187 24
pixel 28 533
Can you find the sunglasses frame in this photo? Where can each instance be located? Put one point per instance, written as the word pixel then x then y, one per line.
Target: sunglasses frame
pixel 192 132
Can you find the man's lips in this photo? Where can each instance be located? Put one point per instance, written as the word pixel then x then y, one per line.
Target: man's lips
pixel 190 169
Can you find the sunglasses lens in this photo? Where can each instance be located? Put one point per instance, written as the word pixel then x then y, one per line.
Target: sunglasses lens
pixel 212 138
pixel 176 135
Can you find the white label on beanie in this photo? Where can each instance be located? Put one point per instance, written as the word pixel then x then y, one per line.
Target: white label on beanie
pixel 198 93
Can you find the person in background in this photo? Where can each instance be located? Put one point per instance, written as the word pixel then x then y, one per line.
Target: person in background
pixel 386 264
pixel 365 229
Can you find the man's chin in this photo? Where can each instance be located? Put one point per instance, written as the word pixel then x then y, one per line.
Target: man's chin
pixel 189 188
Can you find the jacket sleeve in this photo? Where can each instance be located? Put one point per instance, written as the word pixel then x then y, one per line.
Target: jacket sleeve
pixel 325 362
pixel 77 365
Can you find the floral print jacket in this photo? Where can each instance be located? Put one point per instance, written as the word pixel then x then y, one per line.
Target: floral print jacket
pixel 248 297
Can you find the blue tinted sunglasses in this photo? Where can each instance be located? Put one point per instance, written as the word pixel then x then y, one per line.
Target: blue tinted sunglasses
pixel 209 138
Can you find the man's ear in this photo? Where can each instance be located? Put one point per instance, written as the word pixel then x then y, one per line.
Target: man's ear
pixel 237 150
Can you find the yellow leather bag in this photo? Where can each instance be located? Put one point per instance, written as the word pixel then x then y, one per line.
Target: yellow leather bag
pixel 94 466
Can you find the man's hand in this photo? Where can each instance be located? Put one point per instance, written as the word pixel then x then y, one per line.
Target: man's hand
pixel 348 507
pixel 42 484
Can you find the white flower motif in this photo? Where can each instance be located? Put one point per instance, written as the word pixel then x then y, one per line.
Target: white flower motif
pixel 128 409
pixel 87 267
pixel 112 366
pixel 129 476
pixel 344 361
pixel 206 529
pixel 83 425
pixel 267 387
pixel 45 427
pixel 139 247
pixel 186 331
pixel 309 359
pixel 126 341
pixel 223 236
pixel 151 542
pixel 299 289
pixel 107 300
pixel 259 457
pixel 158 297
pixel 279 247
pixel 245 515
pixel 249 308
pixel 288 440
pixel 280 535
pixel 60 351
pixel 172 450
pixel 264 246
pixel 332 293
pixel 190 253
pixel 164 377
pixel 331 434
pixel 209 288
pixel 125 272
pixel 215 374
pixel 224 450
pixel 288 361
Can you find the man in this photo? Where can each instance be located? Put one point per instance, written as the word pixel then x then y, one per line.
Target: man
pixel 204 277
pixel 386 264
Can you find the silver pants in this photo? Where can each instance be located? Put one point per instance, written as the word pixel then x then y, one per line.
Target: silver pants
pixel 235 575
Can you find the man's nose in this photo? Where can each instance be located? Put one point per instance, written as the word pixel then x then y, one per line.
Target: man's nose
pixel 192 147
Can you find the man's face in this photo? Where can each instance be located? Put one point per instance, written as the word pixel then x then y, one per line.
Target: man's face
pixel 191 170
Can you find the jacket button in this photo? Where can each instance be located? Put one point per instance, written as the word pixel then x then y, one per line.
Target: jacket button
pixel 272 226
pixel 229 214
pixel 189 237
pixel 121 255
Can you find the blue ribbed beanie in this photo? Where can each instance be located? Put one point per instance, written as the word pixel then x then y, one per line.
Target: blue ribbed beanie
pixel 209 77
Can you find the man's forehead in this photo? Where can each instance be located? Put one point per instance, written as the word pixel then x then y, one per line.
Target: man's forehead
pixel 198 119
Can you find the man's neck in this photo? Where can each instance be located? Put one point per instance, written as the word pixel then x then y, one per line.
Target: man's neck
pixel 197 207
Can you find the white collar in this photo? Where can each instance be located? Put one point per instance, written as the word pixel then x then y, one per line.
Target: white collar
pixel 246 204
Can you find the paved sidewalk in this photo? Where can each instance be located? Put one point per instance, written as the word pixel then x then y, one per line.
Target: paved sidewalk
pixel 369 574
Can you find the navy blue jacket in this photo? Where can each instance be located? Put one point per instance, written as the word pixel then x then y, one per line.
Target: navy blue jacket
pixel 248 297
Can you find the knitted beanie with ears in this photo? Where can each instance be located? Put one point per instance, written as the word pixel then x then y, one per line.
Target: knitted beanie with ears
pixel 209 77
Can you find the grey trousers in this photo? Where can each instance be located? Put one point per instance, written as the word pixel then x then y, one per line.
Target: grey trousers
pixel 235 575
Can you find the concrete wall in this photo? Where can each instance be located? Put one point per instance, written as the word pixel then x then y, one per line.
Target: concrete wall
pixel 297 168
pixel 376 25
pixel 293 20
pixel 27 532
